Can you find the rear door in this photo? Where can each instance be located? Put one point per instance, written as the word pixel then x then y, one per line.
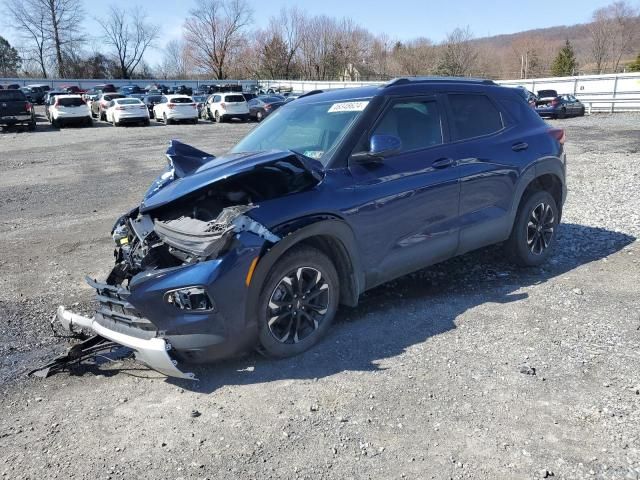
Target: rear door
pixel 235 104
pixel 407 204
pixel 487 151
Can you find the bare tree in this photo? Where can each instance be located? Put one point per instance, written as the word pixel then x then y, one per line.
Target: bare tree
pixel 601 33
pixel 416 57
pixel 63 22
pixel 175 63
pixel 29 20
pixel 289 25
pixel 458 56
pixel 129 35
pixel 214 33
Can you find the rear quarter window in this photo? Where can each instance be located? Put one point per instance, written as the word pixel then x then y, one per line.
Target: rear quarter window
pixel 473 115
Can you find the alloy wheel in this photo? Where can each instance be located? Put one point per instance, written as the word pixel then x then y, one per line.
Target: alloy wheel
pixel 540 228
pixel 298 305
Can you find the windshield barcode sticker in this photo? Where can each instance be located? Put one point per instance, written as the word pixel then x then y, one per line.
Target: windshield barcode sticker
pixel 348 107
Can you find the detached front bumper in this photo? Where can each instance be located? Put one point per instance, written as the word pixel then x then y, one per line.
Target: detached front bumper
pixel 153 352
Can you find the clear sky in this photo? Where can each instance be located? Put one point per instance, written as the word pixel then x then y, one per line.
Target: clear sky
pixel 401 19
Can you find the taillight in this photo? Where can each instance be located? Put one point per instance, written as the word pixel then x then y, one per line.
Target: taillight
pixel 558 134
pixel 171 105
pixel 223 105
pixel 555 102
pixel 27 106
pixel 119 108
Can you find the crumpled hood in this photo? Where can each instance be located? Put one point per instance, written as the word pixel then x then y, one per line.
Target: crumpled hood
pixel 190 170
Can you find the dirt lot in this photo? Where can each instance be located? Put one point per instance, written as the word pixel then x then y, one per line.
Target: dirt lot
pixel 432 376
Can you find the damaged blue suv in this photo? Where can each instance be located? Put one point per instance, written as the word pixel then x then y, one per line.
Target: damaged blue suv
pixel 333 194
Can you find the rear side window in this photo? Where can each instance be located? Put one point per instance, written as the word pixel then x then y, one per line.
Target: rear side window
pixel 473 116
pixel 11 95
pixel 234 98
pixel 70 102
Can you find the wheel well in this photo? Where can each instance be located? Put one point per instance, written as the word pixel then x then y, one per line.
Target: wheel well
pixel 547 182
pixel 338 254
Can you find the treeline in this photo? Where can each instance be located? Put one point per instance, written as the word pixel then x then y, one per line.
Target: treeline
pixel 220 39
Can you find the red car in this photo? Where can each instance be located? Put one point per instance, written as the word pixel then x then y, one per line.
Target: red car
pixel 73 89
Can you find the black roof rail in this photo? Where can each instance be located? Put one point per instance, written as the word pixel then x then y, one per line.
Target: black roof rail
pixel 413 80
pixel 312 92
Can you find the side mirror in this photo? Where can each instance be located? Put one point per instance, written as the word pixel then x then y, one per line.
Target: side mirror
pixel 380 146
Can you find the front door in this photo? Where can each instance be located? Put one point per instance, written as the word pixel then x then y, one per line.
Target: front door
pixel 407 204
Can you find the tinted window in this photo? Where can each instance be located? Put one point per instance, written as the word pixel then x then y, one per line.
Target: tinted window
pixel 417 124
pixel 547 93
pixel 474 116
pixel 234 98
pixel 70 102
pixel 11 95
pixel 128 101
pixel 181 100
pixel 154 99
pixel 272 99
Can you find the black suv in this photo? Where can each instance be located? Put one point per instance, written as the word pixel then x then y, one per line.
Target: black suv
pixel 333 194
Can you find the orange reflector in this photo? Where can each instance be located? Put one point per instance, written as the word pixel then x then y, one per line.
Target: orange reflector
pixel 252 267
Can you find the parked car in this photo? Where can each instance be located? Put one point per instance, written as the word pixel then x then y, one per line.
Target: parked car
pixel 76 90
pixel 15 109
pixel 27 94
pixel 203 90
pixel 337 193
pixel 49 99
pixel 98 107
pixel 95 92
pixel 13 86
pixel 150 101
pixel 200 101
pixel 35 92
pixel 42 86
pixel 69 109
pixel 175 108
pixel 126 110
pixel 130 89
pixel 550 104
pixel 155 88
pixel 181 90
pixel 261 107
pixel 221 107
pixel 249 96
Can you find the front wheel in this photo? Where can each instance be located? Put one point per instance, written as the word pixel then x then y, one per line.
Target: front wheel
pixel 298 302
pixel 535 229
pixel 217 117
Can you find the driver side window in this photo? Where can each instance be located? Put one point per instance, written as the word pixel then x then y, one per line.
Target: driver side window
pixel 416 123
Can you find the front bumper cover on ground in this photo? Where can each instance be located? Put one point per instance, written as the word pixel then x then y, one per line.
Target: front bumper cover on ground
pixel 153 352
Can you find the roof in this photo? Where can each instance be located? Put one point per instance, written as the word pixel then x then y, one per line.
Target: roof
pixel 70 95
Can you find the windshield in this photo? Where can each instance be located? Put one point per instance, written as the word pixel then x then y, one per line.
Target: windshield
pixel 310 129
pixel 547 93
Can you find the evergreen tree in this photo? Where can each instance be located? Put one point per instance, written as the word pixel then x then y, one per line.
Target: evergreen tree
pixel 635 65
pixel 10 61
pixel 565 64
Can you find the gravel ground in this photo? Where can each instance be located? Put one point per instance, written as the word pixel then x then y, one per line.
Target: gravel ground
pixel 469 369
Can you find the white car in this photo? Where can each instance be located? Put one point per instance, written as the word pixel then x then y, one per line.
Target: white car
pixel 68 109
pixel 224 106
pixel 172 108
pixel 127 110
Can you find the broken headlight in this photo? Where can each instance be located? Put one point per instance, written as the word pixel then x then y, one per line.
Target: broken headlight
pixel 193 299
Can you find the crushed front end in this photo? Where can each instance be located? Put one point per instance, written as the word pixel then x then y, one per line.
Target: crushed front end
pixel 177 292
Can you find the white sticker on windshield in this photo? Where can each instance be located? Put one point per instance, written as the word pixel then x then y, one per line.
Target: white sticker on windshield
pixel 348 107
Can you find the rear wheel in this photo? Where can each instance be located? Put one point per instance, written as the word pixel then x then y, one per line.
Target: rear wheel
pixel 32 125
pixel 298 302
pixel 534 232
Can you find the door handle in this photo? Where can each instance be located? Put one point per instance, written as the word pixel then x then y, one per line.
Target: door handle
pixel 442 163
pixel 518 147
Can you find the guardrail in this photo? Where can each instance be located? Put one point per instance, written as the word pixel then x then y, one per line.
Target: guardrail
pixel 610 104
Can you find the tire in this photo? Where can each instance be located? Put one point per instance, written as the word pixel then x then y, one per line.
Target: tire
pixel 290 329
pixel 89 122
pixel 534 232
pixel 32 126
pixel 217 117
pixel 562 114
pixel 582 112
pixel 146 123
pixel 165 119
pixel 115 124
pixel 259 116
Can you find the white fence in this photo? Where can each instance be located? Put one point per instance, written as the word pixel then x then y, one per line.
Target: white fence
pixel 620 92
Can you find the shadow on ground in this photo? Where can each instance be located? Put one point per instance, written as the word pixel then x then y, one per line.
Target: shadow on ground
pixel 408 311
